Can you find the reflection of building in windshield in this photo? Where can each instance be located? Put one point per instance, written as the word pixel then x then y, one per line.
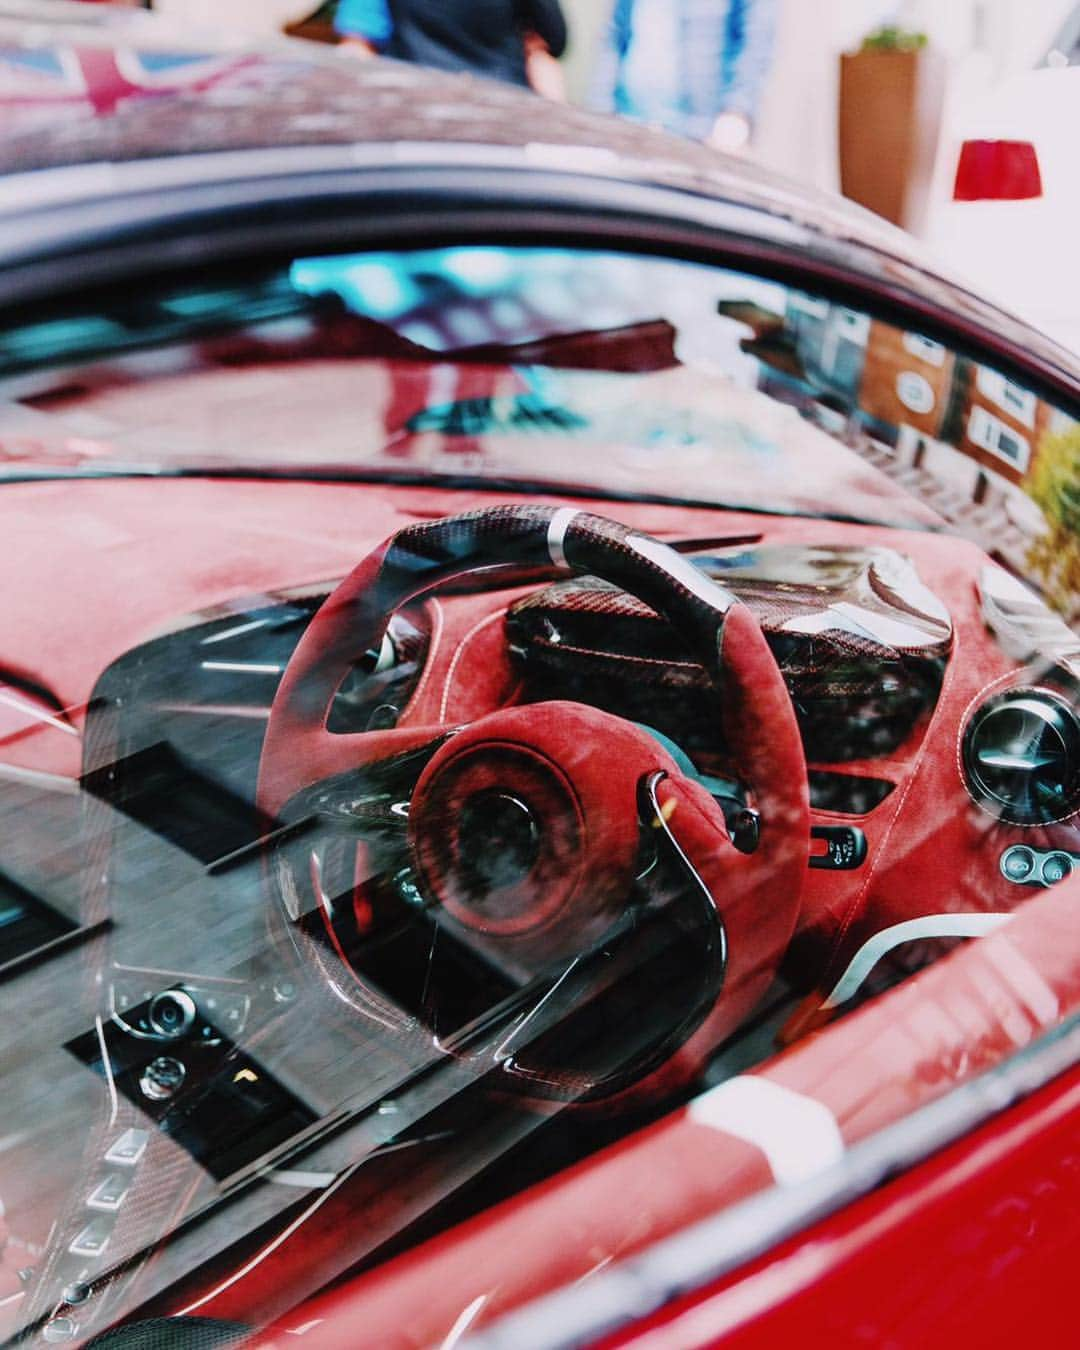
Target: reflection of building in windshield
pixel 962 436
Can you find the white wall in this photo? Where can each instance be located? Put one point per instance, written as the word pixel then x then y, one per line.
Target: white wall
pixel 249 16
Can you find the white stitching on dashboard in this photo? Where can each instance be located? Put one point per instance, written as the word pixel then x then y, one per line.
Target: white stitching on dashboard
pixel 452 671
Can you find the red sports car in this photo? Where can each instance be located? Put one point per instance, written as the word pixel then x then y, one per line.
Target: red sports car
pixel 539 731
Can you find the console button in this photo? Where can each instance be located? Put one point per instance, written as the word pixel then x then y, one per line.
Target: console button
pixel 59 1330
pixel 93 1239
pixel 1019 863
pixel 845 847
pixel 1056 867
pixel 1026 866
pixel 172 1014
pixel 128 1149
pixel 108 1194
pixel 161 1078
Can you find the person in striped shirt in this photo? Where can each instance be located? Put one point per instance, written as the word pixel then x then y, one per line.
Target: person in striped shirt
pixel 695 67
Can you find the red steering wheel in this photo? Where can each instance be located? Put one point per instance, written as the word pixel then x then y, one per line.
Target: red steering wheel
pixel 526 829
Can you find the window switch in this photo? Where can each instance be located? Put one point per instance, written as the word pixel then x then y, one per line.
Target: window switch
pixel 108 1194
pixel 128 1149
pixel 93 1239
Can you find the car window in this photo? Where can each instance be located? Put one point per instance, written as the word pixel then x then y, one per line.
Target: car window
pixel 459 706
pixel 465 357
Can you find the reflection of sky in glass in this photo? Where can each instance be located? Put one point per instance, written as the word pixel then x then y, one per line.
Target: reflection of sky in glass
pixel 466 296
pixel 373 285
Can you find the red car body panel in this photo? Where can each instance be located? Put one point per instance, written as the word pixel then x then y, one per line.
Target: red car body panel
pixel 975 1247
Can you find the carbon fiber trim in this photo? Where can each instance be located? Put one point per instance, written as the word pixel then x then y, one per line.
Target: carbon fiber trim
pixel 853 691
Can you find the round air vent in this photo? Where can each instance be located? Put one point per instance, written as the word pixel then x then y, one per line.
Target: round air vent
pixel 1021 754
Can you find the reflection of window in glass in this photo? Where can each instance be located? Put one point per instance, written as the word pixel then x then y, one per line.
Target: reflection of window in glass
pixel 1012 398
pixel 808 324
pixel 915 392
pixel 991 434
pixel 933 353
pixel 848 367
pixel 855 327
pixel 843 343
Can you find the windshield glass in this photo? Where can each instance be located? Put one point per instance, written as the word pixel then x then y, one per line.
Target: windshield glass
pixel 460 707
pixel 607 373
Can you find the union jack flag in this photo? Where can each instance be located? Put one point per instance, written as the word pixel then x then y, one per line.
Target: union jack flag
pixel 51 79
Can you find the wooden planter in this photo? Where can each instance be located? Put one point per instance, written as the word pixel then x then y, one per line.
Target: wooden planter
pixel 890 120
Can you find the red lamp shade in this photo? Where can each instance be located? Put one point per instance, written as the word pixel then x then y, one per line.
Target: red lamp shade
pixel 997 171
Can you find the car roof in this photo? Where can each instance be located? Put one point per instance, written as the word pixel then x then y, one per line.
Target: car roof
pixel 84 86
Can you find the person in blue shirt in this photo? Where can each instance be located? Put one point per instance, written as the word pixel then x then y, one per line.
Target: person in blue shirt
pixel 485 37
pixel 695 67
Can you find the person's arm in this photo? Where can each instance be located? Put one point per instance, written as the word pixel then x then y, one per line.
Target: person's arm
pixel 365 26
pixel 546 19
pixel 748 49
pixel 544 73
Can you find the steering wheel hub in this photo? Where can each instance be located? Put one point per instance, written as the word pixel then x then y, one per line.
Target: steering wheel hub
pixel 522 831
pixel 498 843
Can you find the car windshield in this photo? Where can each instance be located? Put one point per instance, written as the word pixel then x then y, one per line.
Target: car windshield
pixel 467 712
pixel 603 373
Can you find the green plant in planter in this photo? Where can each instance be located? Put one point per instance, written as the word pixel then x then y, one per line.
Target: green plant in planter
pixel 1054 484
pixel 892 38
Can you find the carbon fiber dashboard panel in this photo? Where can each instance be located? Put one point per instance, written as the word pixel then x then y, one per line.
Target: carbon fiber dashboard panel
pixel 861 641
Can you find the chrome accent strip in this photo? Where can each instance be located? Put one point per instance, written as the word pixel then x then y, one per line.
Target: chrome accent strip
pixel 659 820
